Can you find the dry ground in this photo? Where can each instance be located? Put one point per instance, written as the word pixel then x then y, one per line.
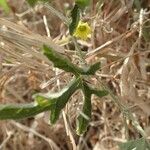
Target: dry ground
pixel 120 40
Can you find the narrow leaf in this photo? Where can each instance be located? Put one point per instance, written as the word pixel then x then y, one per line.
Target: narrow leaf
pixel 93 68
pixel 100 93
pixel 62 101
pixel 58 99
pixel 82 3
pixel 20 111
pixel 43 102
pixel 60 61
pixel 84 118
pixel 75 16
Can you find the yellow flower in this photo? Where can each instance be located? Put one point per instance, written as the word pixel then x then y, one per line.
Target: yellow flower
pixel 82 31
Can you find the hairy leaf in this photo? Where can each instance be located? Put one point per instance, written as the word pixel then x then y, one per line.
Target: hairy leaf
pixel 59 99
pixel 75 16
pixel 100 93
pixel 85 116
pixel 43 102
pixel 82 3
pixel 93 68
pixel 20 111
pixel 62 101
pixel 61 62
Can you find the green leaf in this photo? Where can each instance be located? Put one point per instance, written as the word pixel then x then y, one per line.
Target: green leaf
pixel 93 68
pixel 82 3
pixel 33 2
pixel 4 5
pixel 100 93
pixel 62 101
pixel 20 111
pixel 84 118
pixel 139 144
pixel 61 62
pixel 75 16
pixel 43 102
pixel 59 99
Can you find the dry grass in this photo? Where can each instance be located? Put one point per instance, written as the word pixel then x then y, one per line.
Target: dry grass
pixel 117 41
